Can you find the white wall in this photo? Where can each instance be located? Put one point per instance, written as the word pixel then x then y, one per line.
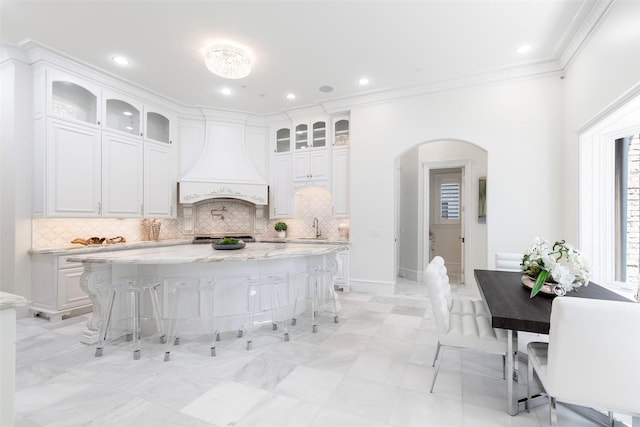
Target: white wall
pixel 607 67
pixel 410 214
pixel 15 178
pixel 518 123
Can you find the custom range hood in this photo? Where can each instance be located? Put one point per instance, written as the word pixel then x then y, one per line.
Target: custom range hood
pixel 222 169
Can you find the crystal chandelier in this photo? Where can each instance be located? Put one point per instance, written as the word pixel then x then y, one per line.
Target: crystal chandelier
pixel 228 61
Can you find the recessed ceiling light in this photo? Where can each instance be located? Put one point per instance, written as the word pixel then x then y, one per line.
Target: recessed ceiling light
pixel 524 48
pixel 127 113
pixel 225 91
pixel 128 128
pixel 120 60
pixel 291 96
pixel 363 81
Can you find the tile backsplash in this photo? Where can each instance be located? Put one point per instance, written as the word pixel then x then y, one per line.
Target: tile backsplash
pixel 215 217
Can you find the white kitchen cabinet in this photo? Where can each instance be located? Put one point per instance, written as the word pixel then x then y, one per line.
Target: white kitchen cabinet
pixel 160 177
pixel 311 165
pixel 89 148
pixel 340 184
pixel 283 140
pixel 122 176
pixel 281 189
pixel 341 279
pixel 340 167
pixel 56 290
pixel 73 170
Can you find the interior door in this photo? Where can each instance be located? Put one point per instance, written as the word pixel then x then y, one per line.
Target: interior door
pixel 462 229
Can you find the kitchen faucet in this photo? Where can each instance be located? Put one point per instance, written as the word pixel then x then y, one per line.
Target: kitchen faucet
pixel 316 226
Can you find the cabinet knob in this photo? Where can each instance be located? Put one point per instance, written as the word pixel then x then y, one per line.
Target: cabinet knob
pixel 141 134
pixel 98 122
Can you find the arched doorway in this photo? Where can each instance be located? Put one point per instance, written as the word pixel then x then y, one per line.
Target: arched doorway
pixel 420 207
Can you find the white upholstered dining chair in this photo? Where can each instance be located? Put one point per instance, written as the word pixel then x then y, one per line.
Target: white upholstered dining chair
pixel 462 324
pixel 592 358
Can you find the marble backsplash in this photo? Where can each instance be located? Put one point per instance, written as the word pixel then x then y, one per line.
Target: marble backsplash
pixel 235 218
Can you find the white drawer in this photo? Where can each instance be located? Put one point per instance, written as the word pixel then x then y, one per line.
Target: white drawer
pixel 63 263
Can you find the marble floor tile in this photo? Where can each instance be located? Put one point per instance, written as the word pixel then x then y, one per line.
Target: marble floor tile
pixel 225 403
pixel 309 384
pixel 372 369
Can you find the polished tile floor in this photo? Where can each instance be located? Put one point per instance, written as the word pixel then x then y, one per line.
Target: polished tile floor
pixel 372 369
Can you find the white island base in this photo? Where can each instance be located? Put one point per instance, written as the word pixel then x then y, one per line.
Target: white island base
pixel 229 269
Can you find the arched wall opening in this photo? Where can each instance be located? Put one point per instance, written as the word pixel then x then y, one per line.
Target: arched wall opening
pixel 415 208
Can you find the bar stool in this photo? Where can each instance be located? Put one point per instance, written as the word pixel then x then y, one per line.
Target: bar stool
pixel 320 290
pixel 194 286
pixel 257 288
pixel 133 287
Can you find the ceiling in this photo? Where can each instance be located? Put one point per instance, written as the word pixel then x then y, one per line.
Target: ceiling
pixel 300 46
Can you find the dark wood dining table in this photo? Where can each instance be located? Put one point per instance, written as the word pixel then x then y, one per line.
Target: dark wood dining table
pixel 512 309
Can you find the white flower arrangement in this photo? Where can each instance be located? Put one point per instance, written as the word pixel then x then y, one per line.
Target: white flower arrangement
pixel 560 262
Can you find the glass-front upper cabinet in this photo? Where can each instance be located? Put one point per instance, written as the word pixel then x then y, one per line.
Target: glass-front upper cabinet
pixel 123 116
pixel 302 137
pixel 158 127
pixel 71 101
pixel 319 134
pixel 341 132
pixel 283 140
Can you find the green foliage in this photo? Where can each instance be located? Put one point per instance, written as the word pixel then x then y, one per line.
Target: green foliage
pixel 281 226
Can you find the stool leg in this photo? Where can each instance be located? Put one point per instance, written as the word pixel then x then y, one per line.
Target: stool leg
pixel 276 289
pixel 106 319
pixel 314 303
pixel 155 304
pixel 253 294
pixel 172 339
pixel 334 303
pixel 136 324
pixel 295 304
pixel 272 290
pixel 216 335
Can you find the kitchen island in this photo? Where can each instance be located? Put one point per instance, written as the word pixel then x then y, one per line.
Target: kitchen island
pixel 229 268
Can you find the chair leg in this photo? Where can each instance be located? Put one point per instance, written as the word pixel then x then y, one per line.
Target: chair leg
pixel 529 381
pixel 435 374
pixel 172 329
pixel 135 304
pixel 504 366
pixel 435 358
pixel 553 413
pixel 611 421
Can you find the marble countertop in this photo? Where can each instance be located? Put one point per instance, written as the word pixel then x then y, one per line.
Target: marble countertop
pixel 203 253
pixel 8 300
pixel 74 249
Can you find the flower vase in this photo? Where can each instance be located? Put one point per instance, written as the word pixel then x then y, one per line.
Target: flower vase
pixel 548 288
pixel 281 234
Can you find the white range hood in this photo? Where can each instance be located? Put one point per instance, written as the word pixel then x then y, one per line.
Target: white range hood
pixel 223 169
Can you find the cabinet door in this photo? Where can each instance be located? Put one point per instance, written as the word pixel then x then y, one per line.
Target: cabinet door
pixel 160 180
pixel 122 176
pixel 73 170
pixel 159 124
pixel 318 164
pixel 282 190
pixel 340 183
pixel 70 294
pixel 122 114
pixel 72 99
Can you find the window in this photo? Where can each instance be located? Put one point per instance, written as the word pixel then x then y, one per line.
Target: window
pixel 450 200
pixel 447 189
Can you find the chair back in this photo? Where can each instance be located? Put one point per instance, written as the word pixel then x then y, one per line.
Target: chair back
pixel 594 354
pixel 438 284
pixel 507 261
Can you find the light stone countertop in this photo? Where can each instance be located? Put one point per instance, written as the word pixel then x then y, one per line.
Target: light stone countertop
pixel 204 253
pixel 74 249
pixel 8 300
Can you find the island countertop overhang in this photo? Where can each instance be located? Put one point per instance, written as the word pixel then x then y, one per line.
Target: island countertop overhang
pixel 184 254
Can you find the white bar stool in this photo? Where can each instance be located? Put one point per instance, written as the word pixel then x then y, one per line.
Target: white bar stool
pixel 321 292
pixel 133 287
pixel 194 286
pixel 259 289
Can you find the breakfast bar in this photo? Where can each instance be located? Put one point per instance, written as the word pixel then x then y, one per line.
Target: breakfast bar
pixel 229 268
